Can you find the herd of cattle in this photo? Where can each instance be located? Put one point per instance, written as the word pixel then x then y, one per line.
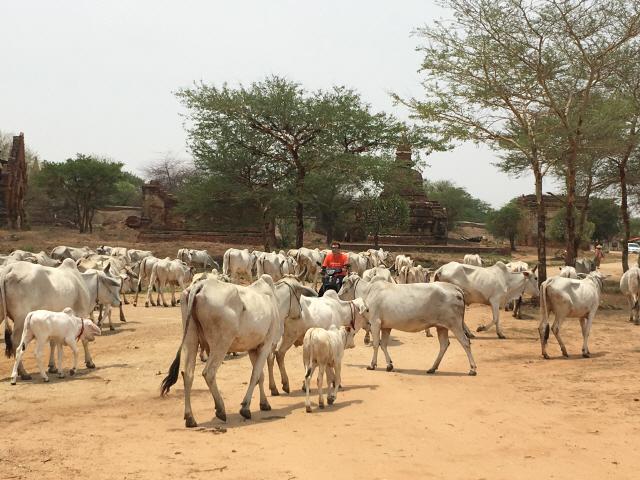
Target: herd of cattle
pixel 46 297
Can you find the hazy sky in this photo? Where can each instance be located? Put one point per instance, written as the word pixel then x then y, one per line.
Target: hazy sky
pixel 99 77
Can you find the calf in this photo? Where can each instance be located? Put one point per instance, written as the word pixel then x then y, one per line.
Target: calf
pixel 171 272
pixel 63 328
pixel 324 349
pixel 569 298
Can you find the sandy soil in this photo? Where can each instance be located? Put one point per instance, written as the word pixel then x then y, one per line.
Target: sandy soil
pixel 520 417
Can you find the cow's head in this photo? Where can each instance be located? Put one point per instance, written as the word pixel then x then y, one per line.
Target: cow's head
pixel 108 288
pixel 90 330
pixel 531 283
pixel 349 334
pixel 347 291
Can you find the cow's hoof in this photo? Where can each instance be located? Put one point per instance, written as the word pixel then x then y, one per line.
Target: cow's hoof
pixel 501 337
pixel 72 371
pixel 566 355
pixel 13 381
pixel 52 369
pixel 367 340
pixel 285 388
pixel 25 377
pixel 189 421
pixel 546 356
pixel 472 373
pixel 45 379
pixel 265 407
pixel 90 365
pixel 165 305
pixel 123 320
pixel 321 405
pixel 331 400
pixel 275 392
pixel 371 367
pixel 429 334
pixel 480 328
pixel 431 370
pixel 234 354
pixel 586 355
pixel 304 388
pixel 221 414
pixel 389 367
pixel 246 413
pixel 470 335
pixel 178 302
pixel 308 407
pixel 112 328
pixel 146 305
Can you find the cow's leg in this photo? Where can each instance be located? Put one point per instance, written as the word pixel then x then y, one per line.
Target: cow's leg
pixel 495 308
pixel 336 382
pixel 443 338
pixel 375 332
pixel 256 374
pixel 38 354
pixel 138 288
pixel 209 373
pixel 543 330
pixel 161 286
pixel 264 403
pixel 272 381
pixel 173 295
pixel 189 352
pixel 587 329
pixel 158 292
pixel 149 300
pixel 367 337
pixel 87 356
pixel 428 332
pixel 466 344
pixel 60 356
pixel 383 344
pixel 282 350
pixel 556 331
pixel 52 358
pixel 124 298
pixel 307 381
pixel 18 363
pixel 321 369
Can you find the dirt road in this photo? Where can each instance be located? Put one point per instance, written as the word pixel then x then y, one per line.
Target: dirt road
pixel 520 417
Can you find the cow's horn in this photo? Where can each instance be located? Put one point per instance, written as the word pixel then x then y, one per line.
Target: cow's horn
pixel 302 274
pixel 533 270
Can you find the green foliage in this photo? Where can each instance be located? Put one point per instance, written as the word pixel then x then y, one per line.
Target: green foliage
pixel 28 248
pixel 79 186
pixel 128 191
pixel 459 205
pixel 287 228
pixel 506 223
pixel 635 227
pixel 557 230
pixel 605 214
pixel 384 216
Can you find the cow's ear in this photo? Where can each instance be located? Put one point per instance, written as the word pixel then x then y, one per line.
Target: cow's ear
pixel 347 329
pixel 106 270
pixel 526 274
pixel 95 328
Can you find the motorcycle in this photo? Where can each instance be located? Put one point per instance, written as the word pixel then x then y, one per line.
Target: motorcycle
pixel 330 279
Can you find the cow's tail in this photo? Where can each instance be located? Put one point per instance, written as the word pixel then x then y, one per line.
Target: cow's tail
pixel 635 307
pixel 544 311
pixel 225 262
pixel 465 328
pixel 143 268
pixel 5 315
pixel 172 377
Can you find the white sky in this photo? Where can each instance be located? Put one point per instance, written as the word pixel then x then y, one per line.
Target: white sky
pixel 98 77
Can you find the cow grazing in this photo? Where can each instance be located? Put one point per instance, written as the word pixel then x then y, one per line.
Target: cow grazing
pixel 493 286
pixel 410 308
pixel 630 286
pixel 202 259
pixel 223 317
pixel 62 328
pixel 569 298
pixel 324 349
pixel 238 263
pixel 319 312
pixel 25 287
pixel 470 259
pixel 171 272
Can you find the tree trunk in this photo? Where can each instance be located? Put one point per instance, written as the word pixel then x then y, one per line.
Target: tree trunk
pixel 541 241
pixel 512 242
pixel 299 207
pixel 622 168
pixel 572 251
pixel 583 212
pixel 271 233
pixel 376 239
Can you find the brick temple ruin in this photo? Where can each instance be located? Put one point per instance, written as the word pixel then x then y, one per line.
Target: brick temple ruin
pixel 13 186
pixel 552 204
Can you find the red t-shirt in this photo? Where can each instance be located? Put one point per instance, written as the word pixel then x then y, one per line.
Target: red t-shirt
pixel 335 261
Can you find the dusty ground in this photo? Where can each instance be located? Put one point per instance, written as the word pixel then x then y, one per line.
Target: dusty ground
pixel 520 417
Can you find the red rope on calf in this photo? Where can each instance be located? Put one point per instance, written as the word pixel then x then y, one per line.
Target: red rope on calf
pixel 81 330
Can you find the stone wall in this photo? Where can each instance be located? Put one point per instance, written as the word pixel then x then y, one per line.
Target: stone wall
pixel 158 210
pixel 13 186
pixel 552 204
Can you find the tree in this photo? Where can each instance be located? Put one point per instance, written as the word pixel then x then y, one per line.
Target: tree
pixel 79 186
pixel 520 76
pixel 605 214
pixel 457 202
pixel 558 227
pixel 384 215
pixel 505 223
pixel 289 132
pixel 169 170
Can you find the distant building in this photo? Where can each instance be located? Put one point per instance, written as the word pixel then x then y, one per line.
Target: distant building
pixel 552 204
pixel 13 186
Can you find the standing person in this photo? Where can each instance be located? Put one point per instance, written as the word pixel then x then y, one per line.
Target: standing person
pixel 599 255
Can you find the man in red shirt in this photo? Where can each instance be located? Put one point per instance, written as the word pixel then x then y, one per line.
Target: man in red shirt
pixel 336 259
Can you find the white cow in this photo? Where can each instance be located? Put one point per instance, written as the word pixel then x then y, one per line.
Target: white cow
pixel 568 272
pixel 138 255
pixel 238 263
pixel 223 317
pixel 630 286
pixel 474 259
pixel 45 260
pixel 313 312
pixel 199 277
pixel 413 275
pixel 146 269
pixel 60 253
pixel 310 259
pixel 401 261
pixel 26 287
pixel 62 328
pixel 324 349
pixel 569 298
pixel 202 259
pixel 516 305
pixel 378 272
pixel 171 272
pixel 359 263
pixel 184 255
pixel 380 257
pixel 272 264
pixel 410 308
pixel 493 286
